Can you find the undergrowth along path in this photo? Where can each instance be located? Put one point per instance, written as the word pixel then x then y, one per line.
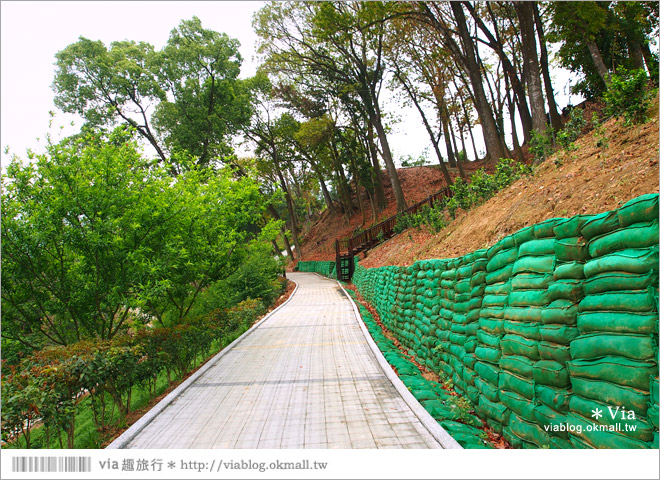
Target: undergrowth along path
pixel 304 377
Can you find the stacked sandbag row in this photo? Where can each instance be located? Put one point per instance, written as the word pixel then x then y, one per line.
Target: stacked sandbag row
pixel 324 268
pixel 500 260
pixel 475 265
pixel 615 355
pixel 521 363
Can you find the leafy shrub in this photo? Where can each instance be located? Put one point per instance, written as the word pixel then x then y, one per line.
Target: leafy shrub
pixel 627 95
pixel 541 144
pixel 572 129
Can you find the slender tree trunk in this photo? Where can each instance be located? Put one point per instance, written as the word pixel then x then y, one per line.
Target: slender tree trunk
pixel 512 115
pixel 285 239
pixel 635 52
pixel 429 130
pixel 342 183
pixel 276 248
pixel 324 188
pixel 651 62
pixel 379 190
pixel 290 208
pixel 358 193
pixel 389 165
pixel 469 129
pixel 597 58
pixel 555 118
pixel 491 135
pixel 445 129
pixel 525 13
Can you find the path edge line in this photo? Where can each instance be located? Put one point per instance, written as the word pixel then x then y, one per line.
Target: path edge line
pixel 434 428
pixel 122 440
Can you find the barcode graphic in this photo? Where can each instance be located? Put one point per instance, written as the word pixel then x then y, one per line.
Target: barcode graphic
pixel 51 464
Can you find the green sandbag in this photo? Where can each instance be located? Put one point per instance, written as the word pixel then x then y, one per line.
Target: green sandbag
pixel 619 370
pixel 487 390
pixel 517 345
pixel 488 354
pixel 621 301
pixel 574 270
pixel 502 259
pixel 526 298
pixel 556 398
pixel 513 439
pixel 567 290
pixel 571 227
pixel 654 387
pixel 488 372
pixel 638 428
pixel 457 338
pixel 488 339
pixel 572 248
pixel 543 264
pixel 599 224
pixel 560 443
pixel 560 312
pixel 641 209
pixel 469 359
pixel 462 286
pixel 546 228
pixel 471 329
pixel 492 326
pixel 551 421
pixel 492 312
pixel 475 303
pixel 530 281
pixel 518 405
pixel 518 364
pixel 494 301
pixel 500 288
pixel 578 443
pixel 469 376
pixel 494 410
pixel 464 272
pixel 523 235
pixel 523 329
pixel 544 246
pixel 523 314
pixel 561 334
pixel 422 395
pixel 640 235
pixel 473 394
pixel 515 383
pixel 551 373
pixel 473 315
pixel 652 414
pixel 478 279
pixel 617 322
pixel 554 351
pixel 501 275
pixel 530 432
pixel 613 281
pixel 589 432
pixel 611 394
pixel 636 347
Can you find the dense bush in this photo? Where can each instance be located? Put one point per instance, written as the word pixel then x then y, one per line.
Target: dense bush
pixel 50 384
pixel 483 186
pixel 628 95
pixel 572 129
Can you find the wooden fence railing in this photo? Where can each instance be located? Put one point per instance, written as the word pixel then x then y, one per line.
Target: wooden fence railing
pixel 347 248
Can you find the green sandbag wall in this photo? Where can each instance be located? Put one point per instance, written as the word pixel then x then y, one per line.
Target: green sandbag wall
pixel 324 268
pixel 543 328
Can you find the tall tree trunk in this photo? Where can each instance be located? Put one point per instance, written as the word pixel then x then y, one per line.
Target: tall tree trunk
pixel 651 62
pixel 635 52
pixel 427 126
pixel 597 58
pixel 555 119
pixel 276 248
pixel 495 42
pixel 358 193
pixel 512 116
pixel 469 129
pixel 276 216
pixel 324 188
pixel 342 183
pixel 491 135
pixel 379 190
pixel 290 208
pixel 525 13
pixel 445 128
pixel 459 164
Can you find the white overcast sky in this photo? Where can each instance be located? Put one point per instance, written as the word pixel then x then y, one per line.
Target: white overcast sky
pixel 32 32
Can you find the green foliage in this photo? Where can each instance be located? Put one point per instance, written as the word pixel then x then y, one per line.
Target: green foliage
pixel 541 144
pixel 420 161
pixel 628 95
pixel 572 129
pixel 433 218
pixel 483 186
pixel 59 385
pixel 599 132
pixel 95 237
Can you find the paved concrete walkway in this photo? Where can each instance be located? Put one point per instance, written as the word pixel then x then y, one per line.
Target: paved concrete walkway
pixel 304 378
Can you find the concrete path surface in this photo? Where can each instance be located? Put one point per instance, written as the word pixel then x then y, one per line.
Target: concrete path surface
pixel 305 377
